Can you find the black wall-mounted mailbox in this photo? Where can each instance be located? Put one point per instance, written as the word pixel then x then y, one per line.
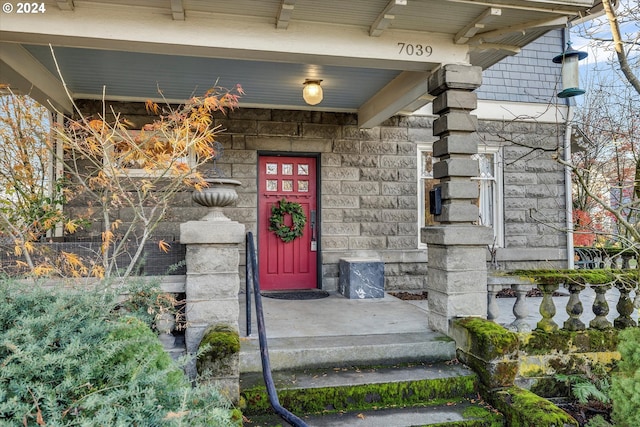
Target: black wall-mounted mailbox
pixel 435 201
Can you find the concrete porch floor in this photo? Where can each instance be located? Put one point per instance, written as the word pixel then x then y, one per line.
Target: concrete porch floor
pixel 336 315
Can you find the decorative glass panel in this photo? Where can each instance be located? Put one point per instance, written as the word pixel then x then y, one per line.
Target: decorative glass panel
pixel 485 164
pixel 272 168
pixel 287 169
pixel 303 186
pixel 272 185
pixel 287 185
pixel 303 169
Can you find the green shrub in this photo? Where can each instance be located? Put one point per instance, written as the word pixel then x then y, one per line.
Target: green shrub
pixel 67 358
pixel 625 387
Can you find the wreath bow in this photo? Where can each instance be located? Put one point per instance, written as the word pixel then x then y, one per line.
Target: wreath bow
pixel 276 220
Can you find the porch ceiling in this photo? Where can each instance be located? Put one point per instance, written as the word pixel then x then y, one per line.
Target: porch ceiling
pixel 268 46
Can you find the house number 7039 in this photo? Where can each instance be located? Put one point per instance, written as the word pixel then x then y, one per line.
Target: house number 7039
pixel 414 49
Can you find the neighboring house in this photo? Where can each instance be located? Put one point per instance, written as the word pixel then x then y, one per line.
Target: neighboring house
pixel 361 161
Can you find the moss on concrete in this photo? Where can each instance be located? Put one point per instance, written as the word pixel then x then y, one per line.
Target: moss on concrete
pixel 487 339
pixel 361 397
pixel 592 277
pixel 489 349
pixel 561 341
pixel 222 347
pixel 522 408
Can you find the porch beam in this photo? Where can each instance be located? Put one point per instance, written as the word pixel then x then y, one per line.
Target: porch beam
pixel 408 91
pixel 385 17
pixel 508 49
pixel 477 24
pixel 177 10
pixel 216 37
pixel 284 14
pixel 65 4
pixel 22 72
pixel 569 8
pixel 522 28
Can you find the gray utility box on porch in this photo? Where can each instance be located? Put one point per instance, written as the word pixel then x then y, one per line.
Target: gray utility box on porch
pixel 361 278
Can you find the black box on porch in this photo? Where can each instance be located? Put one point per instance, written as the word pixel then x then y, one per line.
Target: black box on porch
pixel 361 278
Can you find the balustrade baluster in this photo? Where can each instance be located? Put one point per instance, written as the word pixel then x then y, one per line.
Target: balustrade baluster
pixel 624 307
pixel 600 308
pixel 574 308
pixel 493 310
pixel 520 310
pixel 547 308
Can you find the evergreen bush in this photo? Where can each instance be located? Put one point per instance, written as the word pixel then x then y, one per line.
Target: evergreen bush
pixel 68 358
pixel 625 387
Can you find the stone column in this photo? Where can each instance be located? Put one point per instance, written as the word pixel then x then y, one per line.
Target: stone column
pixel 212 289
pixel 457 248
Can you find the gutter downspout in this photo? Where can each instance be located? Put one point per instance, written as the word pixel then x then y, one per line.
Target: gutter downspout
pixel 568 191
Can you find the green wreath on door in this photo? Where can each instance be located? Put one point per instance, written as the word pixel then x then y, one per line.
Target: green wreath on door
pixel 276 220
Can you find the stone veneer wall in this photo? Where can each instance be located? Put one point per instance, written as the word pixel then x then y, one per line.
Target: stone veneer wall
pixel 368 186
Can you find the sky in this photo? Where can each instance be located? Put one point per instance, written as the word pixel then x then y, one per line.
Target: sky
pixel 596 68
pixel 629 31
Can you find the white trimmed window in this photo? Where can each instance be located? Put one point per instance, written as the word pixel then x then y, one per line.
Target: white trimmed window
pixel 130 165
pixel 490 200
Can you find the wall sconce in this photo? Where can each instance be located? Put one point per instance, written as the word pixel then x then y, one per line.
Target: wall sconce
pixel 312 92
pixel 570 72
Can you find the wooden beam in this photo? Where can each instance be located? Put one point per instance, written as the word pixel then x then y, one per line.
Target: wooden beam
pixel 408 91
pixel 477 24
pixel 65 4
pixel 496 35
pixel 509 49
pixel 22 71
pixel 284 14
pixel 177 10
pixel 385 17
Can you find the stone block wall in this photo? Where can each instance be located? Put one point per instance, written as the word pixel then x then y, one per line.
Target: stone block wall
pixel 369 186
pixel 534 194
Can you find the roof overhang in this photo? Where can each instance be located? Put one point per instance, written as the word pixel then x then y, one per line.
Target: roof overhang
pixel 373 56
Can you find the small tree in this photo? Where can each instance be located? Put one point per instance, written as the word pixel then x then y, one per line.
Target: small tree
pixel 31 200
pixel 108 166
pixel 112 167
pixel 607 171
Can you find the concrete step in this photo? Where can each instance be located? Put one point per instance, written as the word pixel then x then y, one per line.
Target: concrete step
pixel 404 395
pixel 455 414
pixel 350 350
pixel 346 389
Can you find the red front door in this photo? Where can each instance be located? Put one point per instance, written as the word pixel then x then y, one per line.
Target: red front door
pixel 287 265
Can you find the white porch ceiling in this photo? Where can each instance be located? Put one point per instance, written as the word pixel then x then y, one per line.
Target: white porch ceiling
pixel 268 46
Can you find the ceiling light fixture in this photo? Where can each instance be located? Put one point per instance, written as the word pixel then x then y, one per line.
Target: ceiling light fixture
pixel 570 71
pixel 312 92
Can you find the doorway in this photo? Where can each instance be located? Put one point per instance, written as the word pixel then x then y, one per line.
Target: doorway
pixel 286 265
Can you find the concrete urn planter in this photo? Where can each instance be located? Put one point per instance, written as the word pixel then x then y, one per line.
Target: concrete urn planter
pixel 221 192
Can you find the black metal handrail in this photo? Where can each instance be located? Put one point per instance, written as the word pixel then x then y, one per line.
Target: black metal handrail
pixel 252 276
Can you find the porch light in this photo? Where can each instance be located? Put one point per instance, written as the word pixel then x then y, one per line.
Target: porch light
pixel 570 75
pixel 312 92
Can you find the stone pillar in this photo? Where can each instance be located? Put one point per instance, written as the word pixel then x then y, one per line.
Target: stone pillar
pixel 212 288
pixel 457 276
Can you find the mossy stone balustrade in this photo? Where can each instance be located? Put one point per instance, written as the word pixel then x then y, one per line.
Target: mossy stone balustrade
pixel 494 354
pixel 548 281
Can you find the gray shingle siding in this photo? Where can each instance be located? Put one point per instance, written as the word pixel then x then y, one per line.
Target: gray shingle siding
pixel 529 76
